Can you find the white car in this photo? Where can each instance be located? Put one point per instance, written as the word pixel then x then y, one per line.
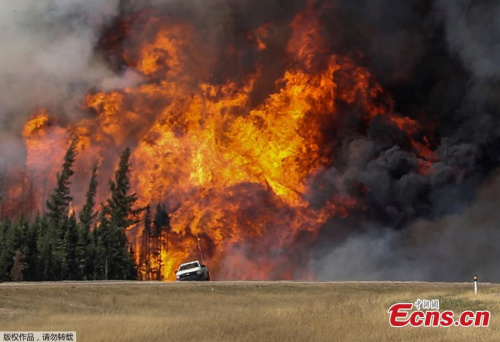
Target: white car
pixel 193 270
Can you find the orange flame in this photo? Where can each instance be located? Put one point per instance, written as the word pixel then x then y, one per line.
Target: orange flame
pixel 232 173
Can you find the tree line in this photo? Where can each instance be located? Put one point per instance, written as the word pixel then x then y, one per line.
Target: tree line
pixel 60 244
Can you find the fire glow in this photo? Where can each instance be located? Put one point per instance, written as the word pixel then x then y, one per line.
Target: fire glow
pixel 233 172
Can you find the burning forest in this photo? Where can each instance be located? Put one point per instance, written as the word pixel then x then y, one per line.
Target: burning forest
pixel 299 140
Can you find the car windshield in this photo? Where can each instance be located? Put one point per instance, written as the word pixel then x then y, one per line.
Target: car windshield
pixel 188 266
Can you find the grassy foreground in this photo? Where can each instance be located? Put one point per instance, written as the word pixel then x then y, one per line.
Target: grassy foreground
pixel 241 311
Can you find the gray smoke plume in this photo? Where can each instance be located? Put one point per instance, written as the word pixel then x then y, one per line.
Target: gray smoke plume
pixel 473 31
pixel 48 60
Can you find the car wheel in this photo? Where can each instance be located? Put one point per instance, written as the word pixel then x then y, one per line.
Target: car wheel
pixel 208 276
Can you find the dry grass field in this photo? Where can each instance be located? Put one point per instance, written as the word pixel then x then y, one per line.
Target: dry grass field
pixel 241 311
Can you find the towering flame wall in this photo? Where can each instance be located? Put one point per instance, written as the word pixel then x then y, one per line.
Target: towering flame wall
pixel 237 140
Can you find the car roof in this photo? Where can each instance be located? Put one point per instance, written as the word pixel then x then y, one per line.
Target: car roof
pixel 190 262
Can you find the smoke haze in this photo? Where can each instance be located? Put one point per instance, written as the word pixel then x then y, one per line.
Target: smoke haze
pixel 49 60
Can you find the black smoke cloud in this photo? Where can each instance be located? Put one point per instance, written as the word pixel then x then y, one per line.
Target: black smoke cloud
pixel 452 248
pixel 438 60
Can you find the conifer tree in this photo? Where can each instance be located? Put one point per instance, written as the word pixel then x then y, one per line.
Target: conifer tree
pixel 30 250
pixel 8 250
pixel 70 250
pixel 146 240
pixel 86 243
pixel 22 250
pixel 18 266
pixel 161 221
pixel 58 207
pixel 92 256
pixel 45 246
pixel 59 201
pixel 121 204
pixel 118 215
pixel 160 229
pixel 11 253
pixel 103 245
